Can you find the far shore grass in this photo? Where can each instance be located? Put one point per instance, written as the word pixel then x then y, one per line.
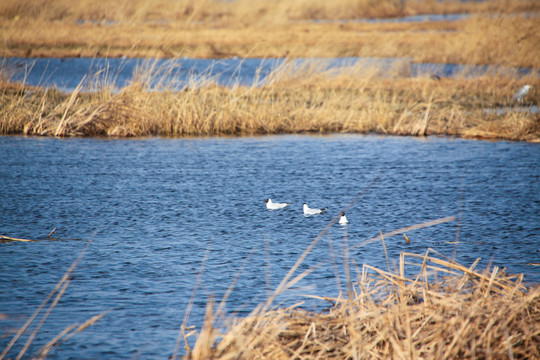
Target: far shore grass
pixel 502 40
pixel 495 32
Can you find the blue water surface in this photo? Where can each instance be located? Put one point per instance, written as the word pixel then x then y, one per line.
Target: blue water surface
pixel 66 74
pixel 153 207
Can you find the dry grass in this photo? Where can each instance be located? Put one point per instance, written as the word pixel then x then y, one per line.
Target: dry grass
pixel 252 28
pixel 446 311
pixel 517 38
pixel 294 99
pixel 244 11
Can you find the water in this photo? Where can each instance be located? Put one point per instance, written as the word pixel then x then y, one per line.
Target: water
pixel 406 19
pixel 67 74
pixel 153 207
pixel 425 18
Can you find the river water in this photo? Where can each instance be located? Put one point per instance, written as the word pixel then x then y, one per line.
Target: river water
pixel 153 208
pixel 93 73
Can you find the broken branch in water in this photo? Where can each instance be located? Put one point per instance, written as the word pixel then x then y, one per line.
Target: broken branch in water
pixel 9 238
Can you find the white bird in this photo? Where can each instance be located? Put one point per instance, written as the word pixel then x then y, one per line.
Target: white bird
pixel 521 93
pixel 343 219
pixel 273 206
pixel 310 211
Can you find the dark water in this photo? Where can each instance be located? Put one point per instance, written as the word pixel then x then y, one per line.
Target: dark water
pixel 154 206
pixel 91 73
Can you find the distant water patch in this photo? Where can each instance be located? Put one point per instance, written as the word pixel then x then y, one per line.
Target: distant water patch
pixel 67 73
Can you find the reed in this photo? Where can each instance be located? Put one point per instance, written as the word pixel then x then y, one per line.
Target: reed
pixel 444 310
pixel 306 98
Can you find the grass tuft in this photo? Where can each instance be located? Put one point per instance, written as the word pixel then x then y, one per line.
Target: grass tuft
pixel 445 310
pixel 305 98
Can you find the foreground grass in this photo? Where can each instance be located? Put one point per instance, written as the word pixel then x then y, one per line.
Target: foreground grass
pixel 251 28
pixel 307 99
pixel 446 311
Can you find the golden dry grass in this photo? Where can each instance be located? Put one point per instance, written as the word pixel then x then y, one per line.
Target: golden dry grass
pixel 295 99
pixel 445 311
pixel 248 28
pixel 245 11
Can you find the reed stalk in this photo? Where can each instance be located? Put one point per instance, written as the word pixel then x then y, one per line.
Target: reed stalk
pixel 455 312
pixel 67 333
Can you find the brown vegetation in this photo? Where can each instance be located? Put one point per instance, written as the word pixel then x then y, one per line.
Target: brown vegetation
pixel 446 311
pixel 305 99
pixel 227 13
pixel 252 28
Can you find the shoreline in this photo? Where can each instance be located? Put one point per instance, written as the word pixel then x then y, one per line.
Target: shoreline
pixel 309 134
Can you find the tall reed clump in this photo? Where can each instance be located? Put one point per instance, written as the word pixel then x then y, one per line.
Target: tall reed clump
pixel 444 311
pixel 297 97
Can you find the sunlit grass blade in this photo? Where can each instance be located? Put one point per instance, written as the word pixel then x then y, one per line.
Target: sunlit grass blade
pixel 59 289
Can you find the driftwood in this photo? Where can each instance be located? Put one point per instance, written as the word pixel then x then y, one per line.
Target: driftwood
pixel 4 238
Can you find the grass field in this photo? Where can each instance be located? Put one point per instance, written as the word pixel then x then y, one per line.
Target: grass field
pixel 497 32
pixel 425 306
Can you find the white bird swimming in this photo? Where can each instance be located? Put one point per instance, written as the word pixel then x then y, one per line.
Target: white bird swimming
pixel 273 206
pixel 310 211
pixel 521 93
pixel 343 219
